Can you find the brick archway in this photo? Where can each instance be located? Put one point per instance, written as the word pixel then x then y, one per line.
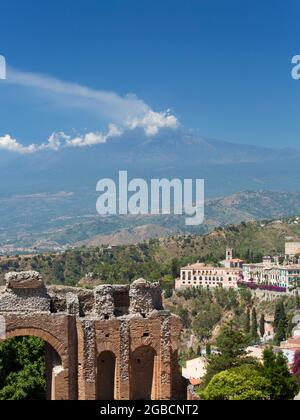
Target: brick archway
pixel 106 376
pixel 39 333
pixel 55 361
pixel 123 327
pixel 143 367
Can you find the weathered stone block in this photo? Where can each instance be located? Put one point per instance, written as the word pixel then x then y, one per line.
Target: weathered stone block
pixel 24 280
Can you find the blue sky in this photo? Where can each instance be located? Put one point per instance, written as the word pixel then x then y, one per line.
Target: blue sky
pixel 220 67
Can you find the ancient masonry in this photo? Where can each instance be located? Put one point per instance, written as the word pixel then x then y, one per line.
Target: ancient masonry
pixel 113 342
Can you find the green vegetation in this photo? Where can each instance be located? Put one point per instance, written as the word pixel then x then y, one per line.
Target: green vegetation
pixel 241 383
pixel 254 329
pixel 262 329
pixel 203 311
pixel 22 369
pixel 232 375
pixel 231 344
pixel 157 259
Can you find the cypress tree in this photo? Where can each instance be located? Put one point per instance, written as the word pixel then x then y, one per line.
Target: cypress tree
pixel 262 329
pixel 280 314
pixel 208 349
pixel 247 322
pixel 280 333
pixel 254 327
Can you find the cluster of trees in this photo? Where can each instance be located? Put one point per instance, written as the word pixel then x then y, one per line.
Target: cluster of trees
pixel 205 308
pixel 22 369
pixel 252 328
pixel 283 325
pixel 233 375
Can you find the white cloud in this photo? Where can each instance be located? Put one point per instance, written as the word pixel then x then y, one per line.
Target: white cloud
pixel 10 144
pixel 91 139
pixel 152 122
pixel 125 113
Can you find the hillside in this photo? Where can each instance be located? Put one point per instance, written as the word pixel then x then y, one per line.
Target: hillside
pixel 130 236
pixel 169 154
pixel 158 258
pixel 54 221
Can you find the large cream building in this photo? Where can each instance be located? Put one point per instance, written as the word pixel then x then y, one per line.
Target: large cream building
pixel 199 274
pixel 292 248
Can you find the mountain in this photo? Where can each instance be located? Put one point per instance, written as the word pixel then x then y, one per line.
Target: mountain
pixel 155 259
pixel 49 197
pixel 131 236
pixel 226 167
pixel 51 221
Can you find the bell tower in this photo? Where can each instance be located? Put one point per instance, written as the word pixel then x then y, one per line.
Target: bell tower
pixel 229 253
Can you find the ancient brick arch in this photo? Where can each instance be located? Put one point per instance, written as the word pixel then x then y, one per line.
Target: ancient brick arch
pixel 106 376
pixel 56 364
pixel 95 337
pixel 39 333
pixel 143 378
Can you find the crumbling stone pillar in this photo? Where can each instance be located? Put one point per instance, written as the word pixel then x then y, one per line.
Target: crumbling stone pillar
pixel 87 359
pixel 141 297
pixel 124 360
pixel 104 302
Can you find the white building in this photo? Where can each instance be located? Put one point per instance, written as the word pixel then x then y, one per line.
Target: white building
pixel 196 275
pixel 195 370
pixel 287 276
pixel 231 262
pixel 292 248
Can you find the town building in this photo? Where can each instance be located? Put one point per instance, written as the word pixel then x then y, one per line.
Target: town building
pixel 285 276
pixel 292 248
pixel 195 370
pixel 230 261
pixel 199 274
pixel 292 345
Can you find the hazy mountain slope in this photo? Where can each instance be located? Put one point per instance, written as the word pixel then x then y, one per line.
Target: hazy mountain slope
pixel 131 236
pixel 226 167
pixel 69 218
pixel 155 259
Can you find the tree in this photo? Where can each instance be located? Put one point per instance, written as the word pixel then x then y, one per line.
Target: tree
pixel 184 315
pixel 241 383
pixel 175 268
pixel 283 385
pixel 254 328
pixel 208 349
pixel 22 369
pixel 280 333
pixel 247 324
pixel 297 298
pixel 280 314
pixel 296 366
pixel 231 346
pixel 262 329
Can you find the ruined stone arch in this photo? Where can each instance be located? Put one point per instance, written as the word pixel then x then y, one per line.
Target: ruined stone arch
pixel 123 326
pixel 54 359
pixel 143 373
pixel 39 333
pixel 106 375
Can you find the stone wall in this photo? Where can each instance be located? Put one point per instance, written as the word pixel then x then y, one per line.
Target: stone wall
pixel 114 341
